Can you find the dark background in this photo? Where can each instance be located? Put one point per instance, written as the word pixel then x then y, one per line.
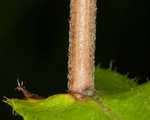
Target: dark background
pixel 34 44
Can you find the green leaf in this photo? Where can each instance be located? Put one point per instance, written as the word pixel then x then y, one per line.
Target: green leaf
pixel 119 99
pixel 123 96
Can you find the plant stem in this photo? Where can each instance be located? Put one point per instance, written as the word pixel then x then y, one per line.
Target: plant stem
pixel 81 46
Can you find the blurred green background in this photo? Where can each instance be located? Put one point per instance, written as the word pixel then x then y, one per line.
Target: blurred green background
pixel 34 44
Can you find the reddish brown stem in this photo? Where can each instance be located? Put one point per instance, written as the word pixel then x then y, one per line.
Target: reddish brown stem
pixel 82 45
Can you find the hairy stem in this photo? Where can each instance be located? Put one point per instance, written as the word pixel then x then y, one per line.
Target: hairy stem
pixel 81 45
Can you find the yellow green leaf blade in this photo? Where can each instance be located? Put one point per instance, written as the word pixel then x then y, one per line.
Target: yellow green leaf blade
pixel 59 107
pixel 119 99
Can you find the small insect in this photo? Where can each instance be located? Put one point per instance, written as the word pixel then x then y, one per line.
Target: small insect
pixel 26 93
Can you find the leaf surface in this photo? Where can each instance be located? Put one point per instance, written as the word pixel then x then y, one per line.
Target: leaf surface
pixel 120 98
